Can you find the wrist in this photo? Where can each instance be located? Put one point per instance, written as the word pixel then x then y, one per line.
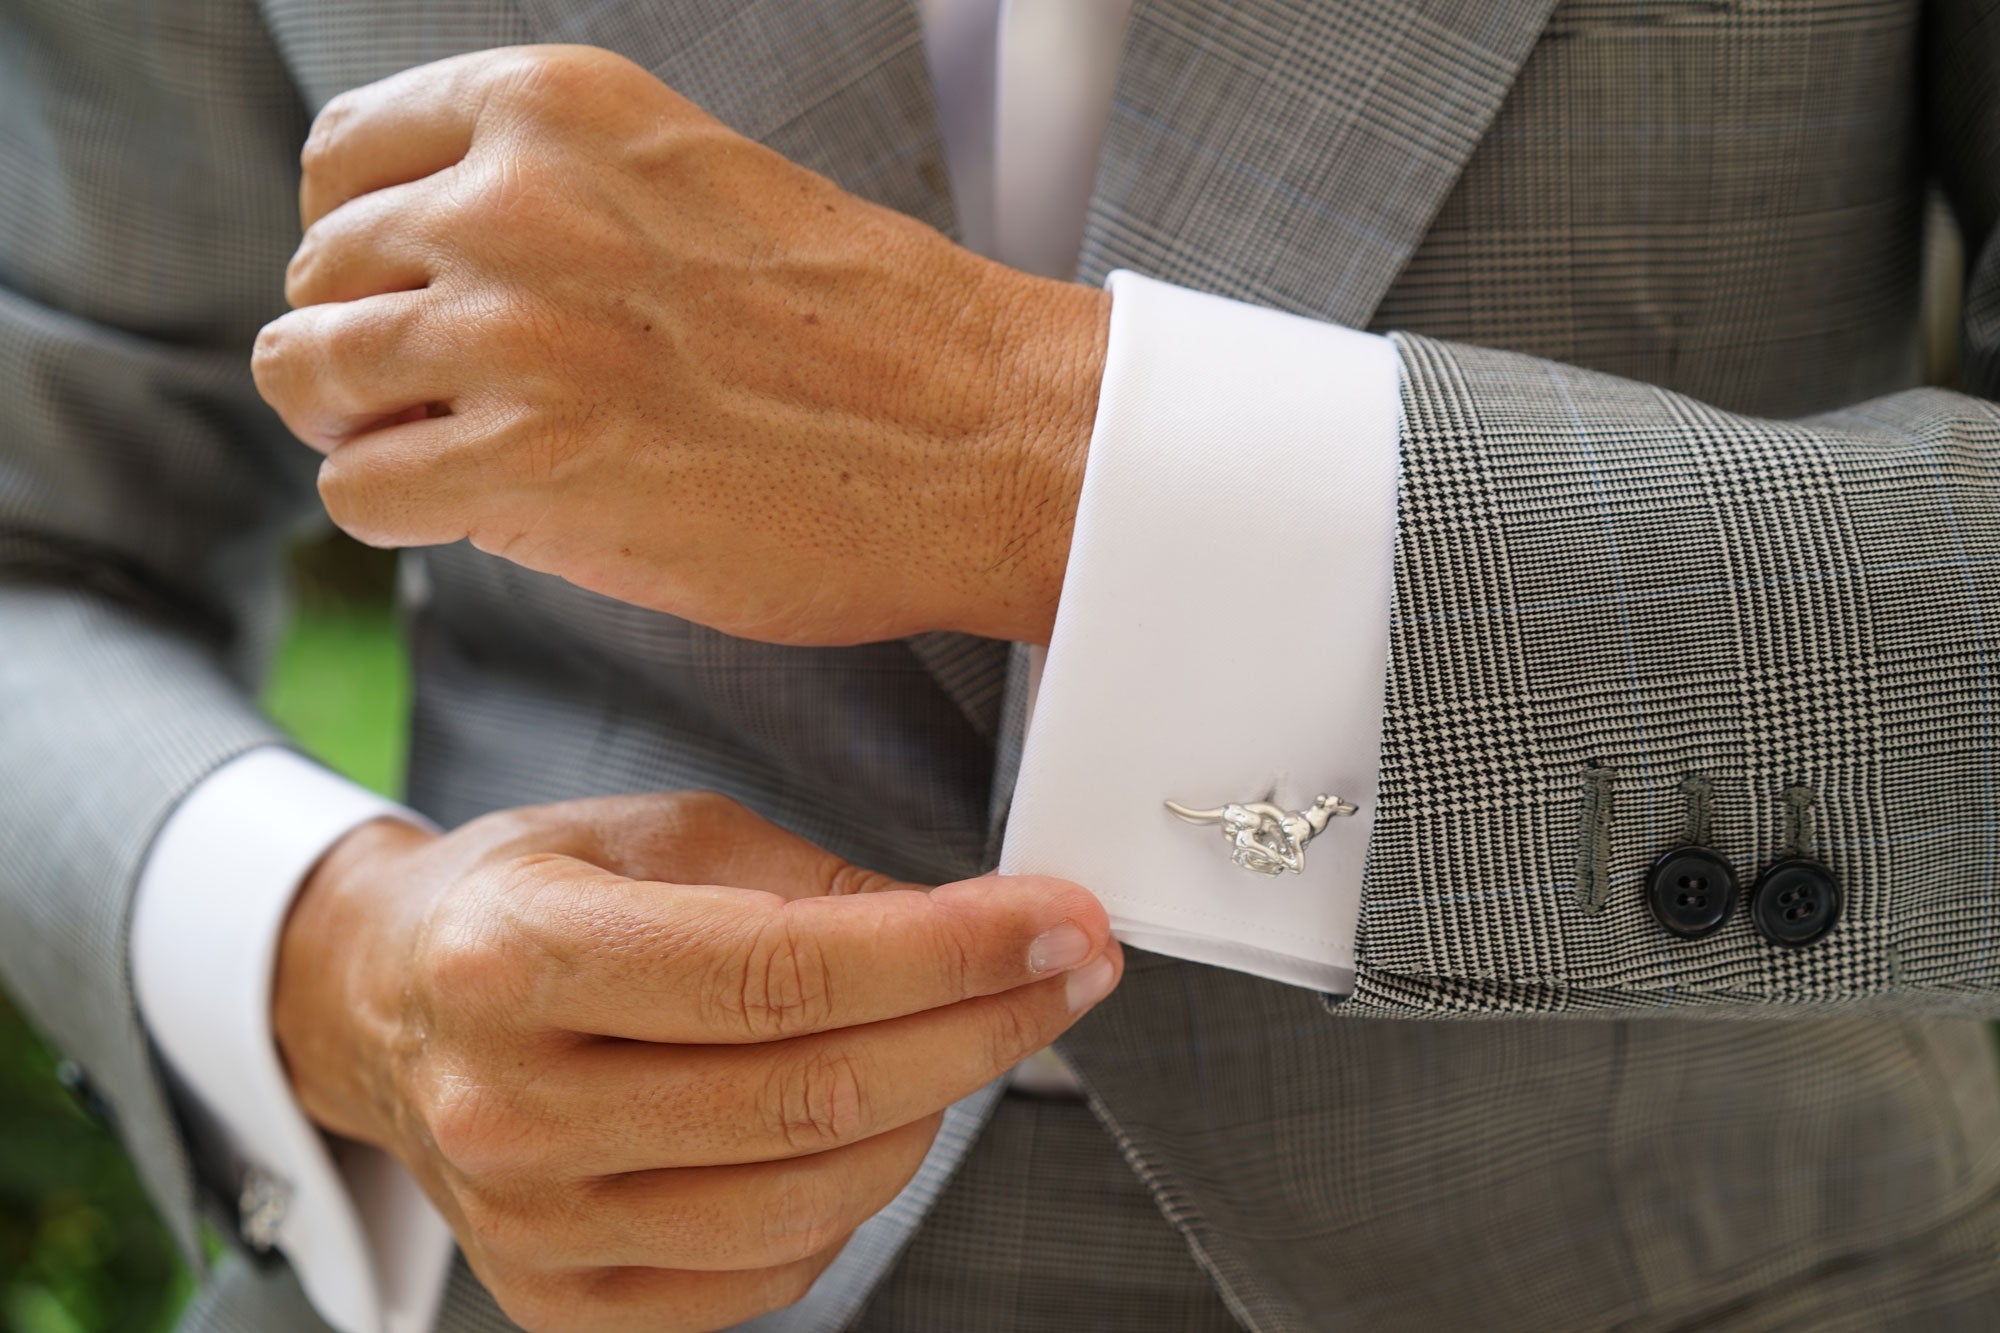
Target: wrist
pixel 332 993
pixel 1049 343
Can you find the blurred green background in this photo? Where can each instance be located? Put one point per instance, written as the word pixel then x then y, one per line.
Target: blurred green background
pixel 80 1248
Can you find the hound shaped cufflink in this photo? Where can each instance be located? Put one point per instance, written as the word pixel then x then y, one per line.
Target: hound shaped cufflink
pixel 1264 838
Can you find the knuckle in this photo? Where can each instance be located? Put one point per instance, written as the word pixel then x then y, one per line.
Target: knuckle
pixel 355 499
pixel 475 1131
pixel 471 961
pixel 270 352
pixel 815 1102
pixel 550 79
pixel 707 821
pixel 488 193
pixel 507 211
pixel 317 149
pixel 343 494
pixel 302 270
pixel 327 128
pixel 786 981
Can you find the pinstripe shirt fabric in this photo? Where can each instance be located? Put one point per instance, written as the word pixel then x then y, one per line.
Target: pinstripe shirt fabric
pixel 1692 517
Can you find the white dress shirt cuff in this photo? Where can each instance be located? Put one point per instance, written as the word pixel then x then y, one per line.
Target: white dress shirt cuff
pixel 368 1247
pixel 1223 630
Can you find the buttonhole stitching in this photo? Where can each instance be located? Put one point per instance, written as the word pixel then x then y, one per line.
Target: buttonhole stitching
pixel 1593 862
pixel 1698 790
pixel 1799 821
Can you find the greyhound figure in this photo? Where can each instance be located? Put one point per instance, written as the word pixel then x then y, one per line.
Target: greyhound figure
pixel 1265 838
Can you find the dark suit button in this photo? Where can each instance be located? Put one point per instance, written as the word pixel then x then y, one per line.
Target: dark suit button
pixel 1692 891
pixel 1795 901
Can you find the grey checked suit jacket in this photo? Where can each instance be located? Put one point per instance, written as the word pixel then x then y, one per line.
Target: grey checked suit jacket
pixel 1670 506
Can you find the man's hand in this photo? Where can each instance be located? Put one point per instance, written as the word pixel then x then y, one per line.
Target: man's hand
pixel 547 304
pixel 653 1057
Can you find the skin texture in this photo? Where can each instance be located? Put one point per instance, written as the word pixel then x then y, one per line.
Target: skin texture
pixel 653 1057
pixel 546 303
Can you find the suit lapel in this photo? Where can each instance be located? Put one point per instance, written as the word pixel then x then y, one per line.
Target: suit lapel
pixel 1293 152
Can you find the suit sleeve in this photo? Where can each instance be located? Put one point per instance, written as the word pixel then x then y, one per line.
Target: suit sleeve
pixel 1626 623
pixel 147 169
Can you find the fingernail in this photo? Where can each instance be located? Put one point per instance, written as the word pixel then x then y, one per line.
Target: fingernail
pixel 1059 948
pixel 1087 985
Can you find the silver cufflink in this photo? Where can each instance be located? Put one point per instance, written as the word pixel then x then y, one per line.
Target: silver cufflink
pixel 1267 839
pixel 261 1209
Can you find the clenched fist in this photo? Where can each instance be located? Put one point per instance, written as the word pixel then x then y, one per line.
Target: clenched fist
pixel 547 304
pixel 653 1057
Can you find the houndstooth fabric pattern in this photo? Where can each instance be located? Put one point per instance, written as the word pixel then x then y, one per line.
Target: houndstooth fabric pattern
pixel 1236 125
pixel 1778 604
pixel 1682 219
pixel 1043 1228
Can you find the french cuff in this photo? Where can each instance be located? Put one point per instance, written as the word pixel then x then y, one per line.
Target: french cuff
pixel 1223 632
pixel 369 1249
